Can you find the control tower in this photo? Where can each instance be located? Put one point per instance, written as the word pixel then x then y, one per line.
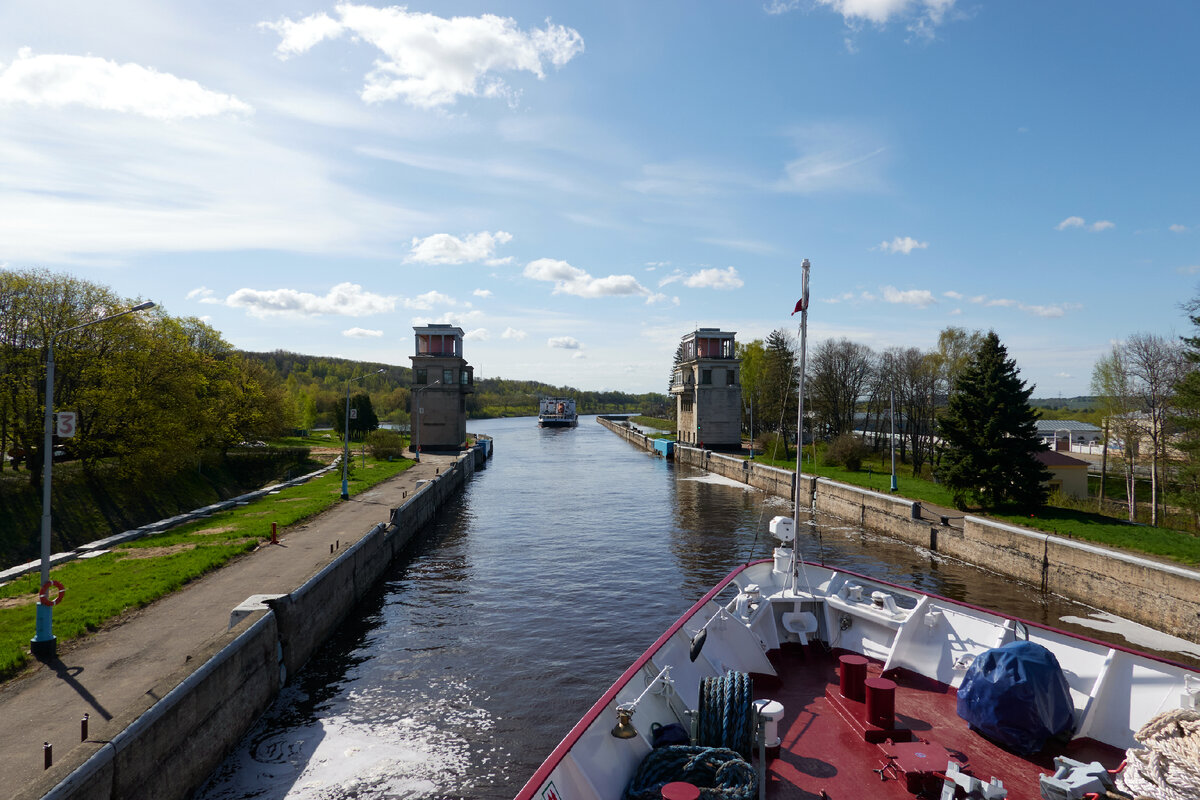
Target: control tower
pixel 708 391
pixel 442 379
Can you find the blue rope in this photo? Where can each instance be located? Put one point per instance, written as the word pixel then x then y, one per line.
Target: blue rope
pixel 719 773
pixel 727 713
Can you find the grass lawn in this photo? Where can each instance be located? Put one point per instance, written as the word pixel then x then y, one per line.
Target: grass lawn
pixel 135 574
pixel 654 422
pixel 1173 545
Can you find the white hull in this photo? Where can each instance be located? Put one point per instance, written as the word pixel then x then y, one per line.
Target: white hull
pixel 1115 691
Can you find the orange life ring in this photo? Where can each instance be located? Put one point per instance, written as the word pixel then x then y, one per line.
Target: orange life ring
pixel 44 594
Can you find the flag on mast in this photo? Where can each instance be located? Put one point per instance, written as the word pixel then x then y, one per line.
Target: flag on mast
pixel 802 303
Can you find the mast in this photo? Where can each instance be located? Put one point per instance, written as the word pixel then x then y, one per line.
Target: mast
pixel 803 308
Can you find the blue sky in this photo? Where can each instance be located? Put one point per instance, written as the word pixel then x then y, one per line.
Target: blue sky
pixel 578 185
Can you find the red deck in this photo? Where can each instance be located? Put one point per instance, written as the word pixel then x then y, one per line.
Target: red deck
pixel 822 752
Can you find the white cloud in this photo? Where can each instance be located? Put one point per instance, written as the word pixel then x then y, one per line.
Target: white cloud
pixel 563 342
pixel 430 61
pixel 1080 222
pixel 911 297
pixel 953 295
pixel 64 80
pixel 105 187
pixel 714 279
pixel 362 333
pixel 1189 270
pixel 482 292
pixel 300 37
pixel 579 354
pixel 345 299
pixel 1048 312
pixel 922 16
pixel 426 302
pixel 459 319
pixel 834 158
pixel 442 248
pixel 572 280
pixel 477 335
pixel 513 333
pixel 202 294
pixel 902 244
pixel 1179 228
pixel 744 245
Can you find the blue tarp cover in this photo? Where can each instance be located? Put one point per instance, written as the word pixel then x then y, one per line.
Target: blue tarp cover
pixel 1017 696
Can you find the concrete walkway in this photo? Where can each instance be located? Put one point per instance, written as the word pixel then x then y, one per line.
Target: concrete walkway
pixel 104 674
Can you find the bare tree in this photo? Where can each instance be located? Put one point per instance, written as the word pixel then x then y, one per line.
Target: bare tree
pixel 1155 365
pixel 839 371
pixel 1113 385
pixel 913 375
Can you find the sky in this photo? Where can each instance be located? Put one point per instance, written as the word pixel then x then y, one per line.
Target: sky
pixel 579 185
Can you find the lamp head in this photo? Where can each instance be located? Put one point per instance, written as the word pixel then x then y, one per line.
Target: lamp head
pixel 143 306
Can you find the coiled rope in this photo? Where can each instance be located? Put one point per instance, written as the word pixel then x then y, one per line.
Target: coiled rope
pixel 719 773
pixel 726 716
pixel 1168 766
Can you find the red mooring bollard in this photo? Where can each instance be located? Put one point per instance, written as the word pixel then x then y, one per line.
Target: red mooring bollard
pixel 83 728
pixel 47 755
pixel 274 538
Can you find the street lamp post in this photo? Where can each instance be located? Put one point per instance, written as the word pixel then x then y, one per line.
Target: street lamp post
pixel 892 404
pixel 346 434
pixel 417 427
pixel 44 645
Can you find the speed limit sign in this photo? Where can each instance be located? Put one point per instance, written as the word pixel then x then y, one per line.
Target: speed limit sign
pixel 66 424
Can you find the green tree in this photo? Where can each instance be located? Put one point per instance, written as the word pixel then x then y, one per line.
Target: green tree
pixel 363 419
pixel 1186 416
pixel 990 435
pixel 780 381
pixel 752 355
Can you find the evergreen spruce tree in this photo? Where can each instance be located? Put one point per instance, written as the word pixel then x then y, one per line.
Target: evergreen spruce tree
pixel 1186 416
pixel 989 435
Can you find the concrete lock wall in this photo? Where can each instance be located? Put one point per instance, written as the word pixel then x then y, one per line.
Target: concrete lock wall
pixel 167 748
pixel 1161 596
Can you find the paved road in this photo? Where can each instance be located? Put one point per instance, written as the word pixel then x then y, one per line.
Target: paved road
pixel 113 670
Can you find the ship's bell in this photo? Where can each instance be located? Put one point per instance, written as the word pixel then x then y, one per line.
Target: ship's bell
pixel 624 728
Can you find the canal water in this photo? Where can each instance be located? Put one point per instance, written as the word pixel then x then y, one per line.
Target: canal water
pixel 558 565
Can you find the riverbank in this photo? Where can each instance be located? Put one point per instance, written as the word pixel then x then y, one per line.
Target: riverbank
pixel 1161 596
pixel 173 686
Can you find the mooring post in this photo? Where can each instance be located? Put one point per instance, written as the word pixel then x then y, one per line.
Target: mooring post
pixel 274 537
pixel 47 755
pixel 83 733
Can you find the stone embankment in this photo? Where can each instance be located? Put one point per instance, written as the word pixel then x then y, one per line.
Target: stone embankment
pixel 1161 596
pixel 166 744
